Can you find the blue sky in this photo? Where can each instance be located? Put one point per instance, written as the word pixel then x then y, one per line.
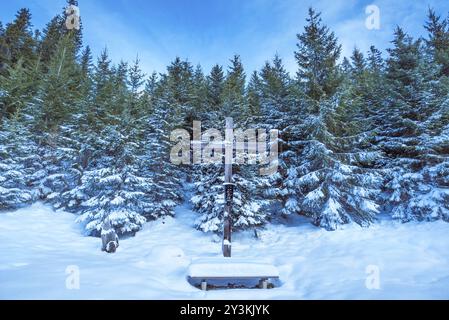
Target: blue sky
pixel 212 31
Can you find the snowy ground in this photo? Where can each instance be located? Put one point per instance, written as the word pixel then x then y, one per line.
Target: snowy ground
pixel 37 245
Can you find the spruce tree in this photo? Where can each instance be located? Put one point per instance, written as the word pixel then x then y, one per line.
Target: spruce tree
pixel 18 38
pixel 52 34
pixel 135 83
pixel 64 97
pixel 20 166
pixel 358 62
pixel 200 107
pixel 370 92
pixel 433 200
pixel 111 186
pixel 86 61
pixel 215 85
pixel 16 86
pixel 118 107
pixel 253 94
pixel 375 60
pixel 60 87
pixel 234 91
pixel 277 102
pixel 102 90
pixel 176 88
pixel 403 135
pixel 438 40
pixel 329 176
pixel 149 97
pixel 165 177
pixel 276 94
pixel 358 91
pixel 317 55
pixel 86 84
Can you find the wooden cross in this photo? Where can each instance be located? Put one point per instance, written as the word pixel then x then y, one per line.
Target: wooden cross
pixel 256 151
pixel 228 145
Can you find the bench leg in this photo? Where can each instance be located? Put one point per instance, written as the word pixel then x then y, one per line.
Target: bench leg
pixel 204 285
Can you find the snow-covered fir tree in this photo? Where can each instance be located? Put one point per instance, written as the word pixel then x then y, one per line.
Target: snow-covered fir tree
pixel 403 134
pixel 165 177
pixel 331 177
pixel 336 180
pixel 20 167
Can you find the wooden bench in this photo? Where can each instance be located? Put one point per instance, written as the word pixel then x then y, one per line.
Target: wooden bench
pixel 205 270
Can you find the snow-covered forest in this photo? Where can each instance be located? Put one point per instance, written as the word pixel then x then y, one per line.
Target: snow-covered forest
pixel 360 136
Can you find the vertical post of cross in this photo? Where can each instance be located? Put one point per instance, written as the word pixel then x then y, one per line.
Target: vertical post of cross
pixel 229 188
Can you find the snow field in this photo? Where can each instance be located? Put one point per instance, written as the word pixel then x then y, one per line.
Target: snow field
pixel 39 249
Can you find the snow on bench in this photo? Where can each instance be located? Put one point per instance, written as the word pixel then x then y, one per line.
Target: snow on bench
pixel 231 269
